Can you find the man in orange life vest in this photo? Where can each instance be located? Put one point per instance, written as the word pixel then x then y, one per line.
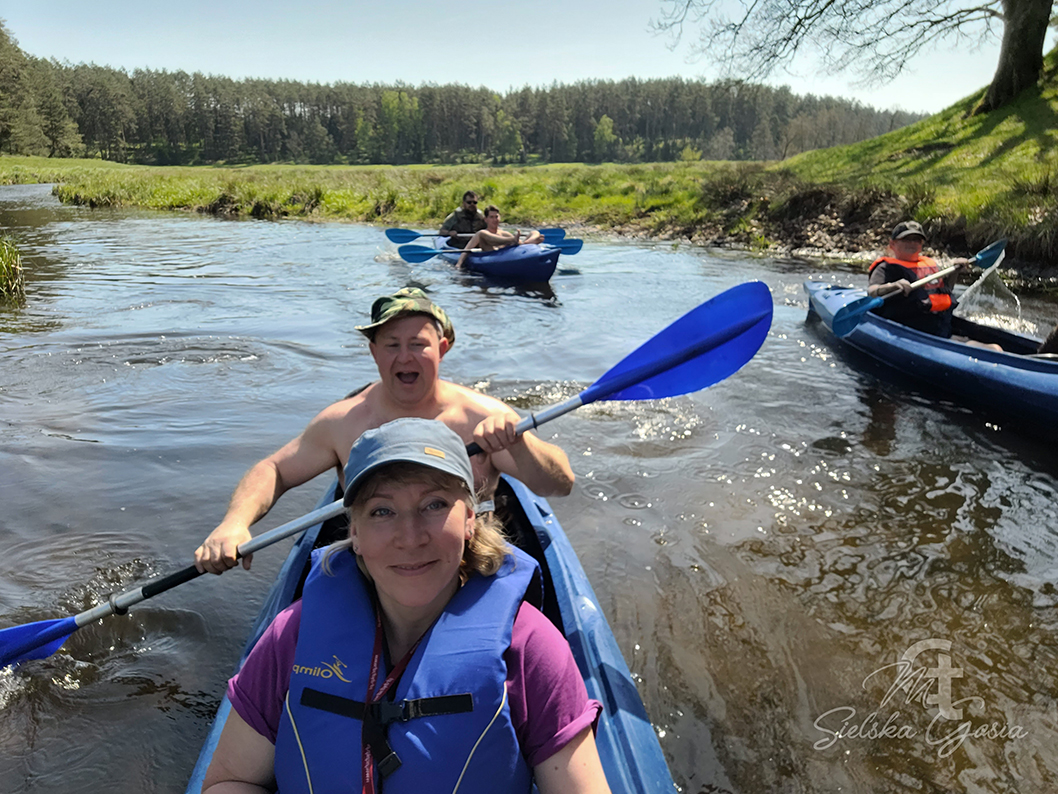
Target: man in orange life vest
pixel 927 308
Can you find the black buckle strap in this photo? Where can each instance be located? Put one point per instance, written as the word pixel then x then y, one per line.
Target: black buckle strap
pixel 432 707
pixel 343 707
pixel 386 712
pixel 386 759
pixel 377 716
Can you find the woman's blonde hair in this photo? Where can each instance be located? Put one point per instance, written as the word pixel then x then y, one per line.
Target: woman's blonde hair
pixel 483 554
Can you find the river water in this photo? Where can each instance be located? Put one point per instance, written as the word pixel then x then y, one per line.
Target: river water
pixel 765 550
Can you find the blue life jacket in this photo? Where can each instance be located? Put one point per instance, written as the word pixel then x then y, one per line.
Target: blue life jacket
pixel 449 721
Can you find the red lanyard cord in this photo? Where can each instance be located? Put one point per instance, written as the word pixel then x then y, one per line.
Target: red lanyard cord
pixel 373 736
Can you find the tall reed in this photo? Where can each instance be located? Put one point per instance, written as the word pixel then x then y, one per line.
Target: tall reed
pixel 12 279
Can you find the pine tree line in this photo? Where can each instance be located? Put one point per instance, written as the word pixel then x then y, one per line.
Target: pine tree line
pixel 173 118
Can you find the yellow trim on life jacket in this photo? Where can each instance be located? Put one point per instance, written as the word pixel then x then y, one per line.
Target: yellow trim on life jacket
pixel 297 738
pixel 503 702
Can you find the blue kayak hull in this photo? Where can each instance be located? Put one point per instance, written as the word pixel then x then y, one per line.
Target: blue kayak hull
pixel 1014 384
pixel 529 263
pixel 628 745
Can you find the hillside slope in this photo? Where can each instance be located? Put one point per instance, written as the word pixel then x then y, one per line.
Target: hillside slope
pixel 977 177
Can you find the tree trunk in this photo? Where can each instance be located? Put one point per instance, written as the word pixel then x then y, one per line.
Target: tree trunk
pixel 1021 56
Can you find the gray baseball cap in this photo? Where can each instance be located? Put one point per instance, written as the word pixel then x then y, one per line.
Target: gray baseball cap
pixel 426 442
pixel 908 229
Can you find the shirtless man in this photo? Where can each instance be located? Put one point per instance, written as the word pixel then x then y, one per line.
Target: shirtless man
pixel 409 337
pixel 492 237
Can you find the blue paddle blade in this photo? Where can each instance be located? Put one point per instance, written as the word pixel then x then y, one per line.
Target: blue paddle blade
pixel 851 314
pixel 987 256
pixel 402 235
pixel 553 236
pixel 34 640
pixel 417 253
pixel 703 347
pixel 570 247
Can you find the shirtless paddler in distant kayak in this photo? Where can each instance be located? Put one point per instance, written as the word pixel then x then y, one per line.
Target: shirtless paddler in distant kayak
pixel 492 237
pixel 409 335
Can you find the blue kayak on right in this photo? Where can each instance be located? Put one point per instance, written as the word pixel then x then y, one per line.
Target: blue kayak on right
pixel 1018 384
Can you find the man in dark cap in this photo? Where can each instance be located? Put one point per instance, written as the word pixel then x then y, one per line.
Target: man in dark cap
pixel 463 222
pixel 409 335
pixel 928 308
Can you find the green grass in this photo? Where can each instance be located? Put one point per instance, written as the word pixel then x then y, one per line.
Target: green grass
pixel 12 279
pixel 655 196
pixel 17 170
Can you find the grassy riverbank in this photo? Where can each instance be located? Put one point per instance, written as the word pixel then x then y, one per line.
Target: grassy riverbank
pixel 747 204
pixel 652 197
pixel 969 179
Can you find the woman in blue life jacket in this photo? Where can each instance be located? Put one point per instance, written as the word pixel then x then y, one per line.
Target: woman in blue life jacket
pixel 928 308
pixel 414 661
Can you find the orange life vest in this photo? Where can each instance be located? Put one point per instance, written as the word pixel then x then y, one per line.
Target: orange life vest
pixel 926 308
pixel 937 291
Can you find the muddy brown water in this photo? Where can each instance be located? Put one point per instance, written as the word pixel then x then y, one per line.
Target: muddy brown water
pixel 767 551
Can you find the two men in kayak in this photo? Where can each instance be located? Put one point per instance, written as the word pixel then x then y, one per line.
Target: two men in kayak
pixel 492 237
pixel 409 335
pixel 468 227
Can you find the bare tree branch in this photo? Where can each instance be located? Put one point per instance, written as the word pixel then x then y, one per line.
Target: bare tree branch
pixel 875 38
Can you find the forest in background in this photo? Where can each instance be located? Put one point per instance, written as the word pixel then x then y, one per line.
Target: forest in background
pixel 55 109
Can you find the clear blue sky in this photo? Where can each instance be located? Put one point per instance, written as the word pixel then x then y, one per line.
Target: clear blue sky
pixel 416 41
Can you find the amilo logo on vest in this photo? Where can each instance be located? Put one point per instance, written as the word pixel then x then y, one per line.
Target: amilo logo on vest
pixel 324 670
pixel 927 687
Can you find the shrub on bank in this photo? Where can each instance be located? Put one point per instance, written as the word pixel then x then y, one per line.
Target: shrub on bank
pixel 12 279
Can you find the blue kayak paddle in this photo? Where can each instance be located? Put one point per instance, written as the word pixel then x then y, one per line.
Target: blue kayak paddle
pixel 422 253
pixel 407 235
pixel 851 314
pixel 703 347
pixel 43 638
pixel 706 345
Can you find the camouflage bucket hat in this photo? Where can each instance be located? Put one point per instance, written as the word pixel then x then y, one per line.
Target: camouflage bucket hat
pixel 409 300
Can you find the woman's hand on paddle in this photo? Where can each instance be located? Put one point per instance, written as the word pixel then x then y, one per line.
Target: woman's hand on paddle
pixel 497 432
pixel 220 550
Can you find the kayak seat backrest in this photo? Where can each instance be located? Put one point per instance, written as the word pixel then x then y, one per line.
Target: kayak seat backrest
pixel 520 533
pixel 1011 343
pixel 333 529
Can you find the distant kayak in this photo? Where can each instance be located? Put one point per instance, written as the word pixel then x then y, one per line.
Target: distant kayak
pixel 1016 383
pixel 528 262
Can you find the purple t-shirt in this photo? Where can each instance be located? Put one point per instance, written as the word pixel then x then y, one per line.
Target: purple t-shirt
pixel 549 704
